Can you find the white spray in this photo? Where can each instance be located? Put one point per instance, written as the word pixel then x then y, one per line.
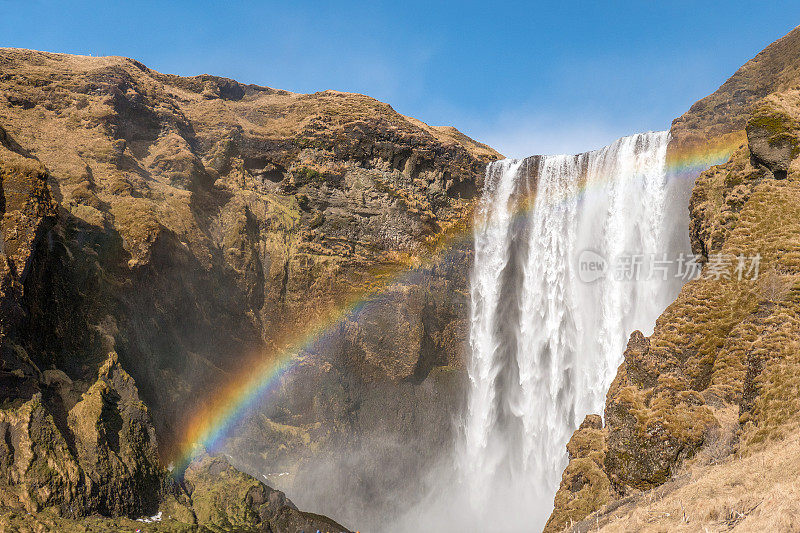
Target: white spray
pixel 546 336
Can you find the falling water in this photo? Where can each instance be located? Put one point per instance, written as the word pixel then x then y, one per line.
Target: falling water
pixel 546 338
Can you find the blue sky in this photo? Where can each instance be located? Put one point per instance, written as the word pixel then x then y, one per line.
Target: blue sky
pixel 524 77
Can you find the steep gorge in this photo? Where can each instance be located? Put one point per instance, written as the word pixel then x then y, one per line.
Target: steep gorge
pixel 170 231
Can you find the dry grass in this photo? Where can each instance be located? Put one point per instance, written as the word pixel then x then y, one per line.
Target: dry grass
pixel 736 341
pixel 759 493
pixel 776 68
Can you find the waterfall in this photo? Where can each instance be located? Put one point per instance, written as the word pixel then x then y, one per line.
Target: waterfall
pixel 556 239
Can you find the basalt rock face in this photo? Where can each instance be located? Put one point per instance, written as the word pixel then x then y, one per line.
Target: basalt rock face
pixel 100 458
pixel 391 370
pixel 585 486
pixel 727 343
pixel 222 498
pixel 189 225
pixel 28 213
pixel 204 219
pixel 115 444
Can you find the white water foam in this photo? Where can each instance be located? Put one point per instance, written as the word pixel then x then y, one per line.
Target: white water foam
pixel 546 345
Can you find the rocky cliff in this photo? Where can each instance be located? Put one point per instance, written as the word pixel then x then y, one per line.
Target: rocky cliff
pixel 712 394
pixel 165 231
pixel 160 232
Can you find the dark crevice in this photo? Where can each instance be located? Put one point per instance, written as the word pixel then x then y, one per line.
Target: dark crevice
pixel 430 354
pixel 284 280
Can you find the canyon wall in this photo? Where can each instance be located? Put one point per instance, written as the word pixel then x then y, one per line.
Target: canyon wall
pixel 161 233
pixel 185 228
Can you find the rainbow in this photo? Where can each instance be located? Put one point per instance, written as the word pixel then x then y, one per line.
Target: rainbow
pixel 261 372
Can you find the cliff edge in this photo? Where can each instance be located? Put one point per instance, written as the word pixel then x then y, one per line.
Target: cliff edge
pixel 700 422
pixel 162 232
